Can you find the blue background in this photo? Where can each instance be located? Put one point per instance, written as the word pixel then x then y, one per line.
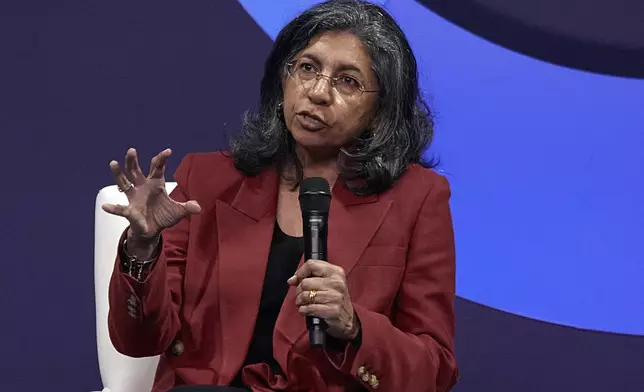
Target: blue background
pixel 547 170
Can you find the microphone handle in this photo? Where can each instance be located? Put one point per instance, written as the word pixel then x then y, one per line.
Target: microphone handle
pixel 315 236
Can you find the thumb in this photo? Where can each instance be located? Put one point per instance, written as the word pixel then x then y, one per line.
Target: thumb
pixel 116 209
pixel 293 280
pixel 192 207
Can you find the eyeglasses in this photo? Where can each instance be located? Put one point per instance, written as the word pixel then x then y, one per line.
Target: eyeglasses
pixel 308 74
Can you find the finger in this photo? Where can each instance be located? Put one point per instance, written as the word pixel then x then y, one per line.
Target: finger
pixel 310 283
pixel 321 298
pixel 191 207
pixel 132 167
pixel 324 311
pixel 317 268
pixel 119 178
pixel 116 209
pixel 157 165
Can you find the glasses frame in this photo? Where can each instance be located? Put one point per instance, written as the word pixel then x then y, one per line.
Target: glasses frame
pixel 332 80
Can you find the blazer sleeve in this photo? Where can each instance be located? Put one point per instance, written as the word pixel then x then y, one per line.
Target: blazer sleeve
pixel 143 319
pixel 414 352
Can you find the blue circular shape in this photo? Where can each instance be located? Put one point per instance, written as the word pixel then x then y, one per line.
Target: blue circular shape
pixel 546 169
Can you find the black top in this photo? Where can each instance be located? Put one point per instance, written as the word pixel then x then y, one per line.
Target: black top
pixel 283 258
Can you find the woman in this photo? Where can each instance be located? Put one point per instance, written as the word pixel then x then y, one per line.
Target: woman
pixel 211 276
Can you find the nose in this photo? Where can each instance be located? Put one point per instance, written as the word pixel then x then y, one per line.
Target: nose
pixel 320 91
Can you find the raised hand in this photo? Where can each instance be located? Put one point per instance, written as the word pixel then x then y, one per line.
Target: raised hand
pixel 150 208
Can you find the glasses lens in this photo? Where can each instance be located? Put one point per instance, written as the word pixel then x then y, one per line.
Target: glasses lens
pixel 347 86
pixel 306 71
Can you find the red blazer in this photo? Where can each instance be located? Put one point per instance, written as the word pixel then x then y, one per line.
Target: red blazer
pixel 197 307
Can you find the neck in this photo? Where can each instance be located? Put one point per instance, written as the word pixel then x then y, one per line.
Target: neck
pixel 319 165
pixel 328 172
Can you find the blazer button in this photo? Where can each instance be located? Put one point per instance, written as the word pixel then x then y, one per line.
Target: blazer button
pixel 366 377
pixel 374 382
pixel 177 348
pixel 361 371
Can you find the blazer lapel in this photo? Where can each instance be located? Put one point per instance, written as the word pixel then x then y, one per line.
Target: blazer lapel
pixel 353 221
pixel 245 228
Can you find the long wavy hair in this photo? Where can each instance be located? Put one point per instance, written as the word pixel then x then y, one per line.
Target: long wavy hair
pixel 403 127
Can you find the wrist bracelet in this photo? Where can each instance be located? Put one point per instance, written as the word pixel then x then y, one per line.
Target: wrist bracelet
pixel 135 267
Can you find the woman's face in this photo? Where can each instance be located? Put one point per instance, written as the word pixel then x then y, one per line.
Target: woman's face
pixel 323 118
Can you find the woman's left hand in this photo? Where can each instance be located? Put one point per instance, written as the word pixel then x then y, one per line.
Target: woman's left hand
pixel 322 292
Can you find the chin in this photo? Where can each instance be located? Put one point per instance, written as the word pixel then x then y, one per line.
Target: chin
pixel 306 137
pixel 314 141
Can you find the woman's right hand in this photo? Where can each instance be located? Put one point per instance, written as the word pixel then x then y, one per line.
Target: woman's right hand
pixel 150 208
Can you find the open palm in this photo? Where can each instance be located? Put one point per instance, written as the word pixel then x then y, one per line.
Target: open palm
pixel 150 209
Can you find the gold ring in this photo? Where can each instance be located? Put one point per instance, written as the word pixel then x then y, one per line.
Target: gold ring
pixel 127 188
pixel 312 295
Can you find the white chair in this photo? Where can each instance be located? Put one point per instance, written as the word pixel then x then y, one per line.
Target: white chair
pixel 119 373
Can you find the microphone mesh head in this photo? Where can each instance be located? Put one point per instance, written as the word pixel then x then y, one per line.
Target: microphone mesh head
pixel 315 194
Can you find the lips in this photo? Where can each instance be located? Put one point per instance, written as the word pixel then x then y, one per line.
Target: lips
pixel 310 121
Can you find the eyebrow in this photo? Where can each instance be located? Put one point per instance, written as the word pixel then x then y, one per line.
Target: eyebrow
pixel 342 67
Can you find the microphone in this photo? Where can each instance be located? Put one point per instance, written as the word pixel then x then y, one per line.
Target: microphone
pixel 315 200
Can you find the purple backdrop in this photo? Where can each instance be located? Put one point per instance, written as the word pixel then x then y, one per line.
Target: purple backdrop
pixel 80 82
